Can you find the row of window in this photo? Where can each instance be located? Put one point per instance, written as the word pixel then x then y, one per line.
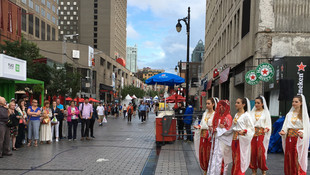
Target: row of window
pixel 34 27
pixel 68 3
pixel 95 22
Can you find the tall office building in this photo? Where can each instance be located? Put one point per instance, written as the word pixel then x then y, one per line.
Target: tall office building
pixel 100 24
pixel 39 19
pixel 197 55
pixel 131 58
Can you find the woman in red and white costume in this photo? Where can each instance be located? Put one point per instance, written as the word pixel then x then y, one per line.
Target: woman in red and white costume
pixel 205 132
pixel 221 140
pixel 295 138
pixel 259 145
pixel 243 131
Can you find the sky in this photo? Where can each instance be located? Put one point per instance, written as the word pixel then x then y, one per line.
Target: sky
pixel 151 26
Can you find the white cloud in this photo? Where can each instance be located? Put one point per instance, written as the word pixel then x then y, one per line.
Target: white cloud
pixel 149 44
pixel 131 32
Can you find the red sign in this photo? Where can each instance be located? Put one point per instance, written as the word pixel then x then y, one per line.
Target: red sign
pixel 216 73
pixel 203 94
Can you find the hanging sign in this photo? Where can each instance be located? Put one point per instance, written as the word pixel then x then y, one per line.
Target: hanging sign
pixel 251 77
pixel 265 72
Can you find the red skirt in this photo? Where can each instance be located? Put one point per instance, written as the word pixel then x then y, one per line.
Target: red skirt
pixel 204 150
pixel 236 167
pixel 258 158
pixel 291 165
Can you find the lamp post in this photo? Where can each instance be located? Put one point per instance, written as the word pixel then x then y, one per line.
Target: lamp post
pixel 179 28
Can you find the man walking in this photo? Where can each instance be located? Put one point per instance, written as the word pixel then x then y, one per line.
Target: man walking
pixel 61 119
pixel 4 130
pixel 188 119
pixel 92 121
pixel 100 111
pixel 142 110
pixel 86 112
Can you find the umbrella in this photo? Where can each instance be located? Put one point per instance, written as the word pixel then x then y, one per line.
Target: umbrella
pixel 165 79
pixel 93 100
pixel 176 97
pixel 68 99
pixel 80 99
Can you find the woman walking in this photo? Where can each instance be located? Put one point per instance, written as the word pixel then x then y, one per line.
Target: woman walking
pixel 45 128
pixel 22 123
pixel 72 120
pixel 221 142
pixel 129 112
pixel 205 131
pixel 14 116
pixel 180 111
pixel 55 120
pixel 243 131
pixel 34 113
pixel 259 144
pixel 295 138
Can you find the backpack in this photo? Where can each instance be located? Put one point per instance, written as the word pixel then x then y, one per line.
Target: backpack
pixel 129 111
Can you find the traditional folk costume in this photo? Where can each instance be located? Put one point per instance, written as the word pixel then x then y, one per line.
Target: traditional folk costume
pixel 202 139
pixel 296 148
pixel 45 129
pixel 241 144
pixel 260 141
pixel 221 141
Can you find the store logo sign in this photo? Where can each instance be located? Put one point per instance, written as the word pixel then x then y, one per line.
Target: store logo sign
pixel 300 72
pixel 17 69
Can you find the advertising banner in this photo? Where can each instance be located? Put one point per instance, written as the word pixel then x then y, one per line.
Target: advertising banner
pixel 13 68
pixel 90 55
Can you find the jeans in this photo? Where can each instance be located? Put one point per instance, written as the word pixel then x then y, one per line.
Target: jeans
pixel 33 129
pixel 91 127
pixel 124 112
pixel 4 140
pixel 21 135
pixel 64 128
pixel 85 127
pixel 129 117
pixel 60 122
pixel 143 115
pixel 188 132
pixel 56 127
pixel 72 125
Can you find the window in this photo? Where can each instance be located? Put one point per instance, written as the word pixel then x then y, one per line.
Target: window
pixel 95 35
pixel 61 32
pixel 68 22
pixel 30 4
pixel 10 23
pixel 65 27
pixel 101 61
pixel 65 8
pixel 43 2
pixel 42 30
pixel 95 17
pixel 95 23
pixel 48 4
pixel 53 34
pixel 37 9
pixel 48 16
pixel 71 17
pixel 42 12
pixel 74 13
pixel 65 18
pixel 95 46
pixel 61 22
pixel 95 11
pixel 24 20
pixel 71 8
pixel 24 1
pixel 68 12
pixel 53 19
pixel 95 28
pixel 37 27
pixel 95 41
pixel 95 5
pixel 48 31
pixel 68 3
pixel 74 3
pixel 246 17
pixel 61 3
pixel 54 9
pixel 30 24
pixel 61 12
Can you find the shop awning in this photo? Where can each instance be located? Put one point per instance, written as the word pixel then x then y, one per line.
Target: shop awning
pixel 224 75
pixel 209 85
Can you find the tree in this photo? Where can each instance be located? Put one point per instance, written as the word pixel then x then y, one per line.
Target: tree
pixel 152 93
pixel 132 90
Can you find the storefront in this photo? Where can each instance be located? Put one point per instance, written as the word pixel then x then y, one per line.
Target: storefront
pixel 106 93
pixel 290 79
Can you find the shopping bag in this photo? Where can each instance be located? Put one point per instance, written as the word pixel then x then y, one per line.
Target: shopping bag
pixel 54 121
pixel 104 120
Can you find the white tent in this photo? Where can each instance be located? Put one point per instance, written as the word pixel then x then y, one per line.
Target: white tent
pixel 127 100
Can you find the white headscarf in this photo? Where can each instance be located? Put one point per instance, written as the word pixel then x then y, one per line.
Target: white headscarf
pixel 266 113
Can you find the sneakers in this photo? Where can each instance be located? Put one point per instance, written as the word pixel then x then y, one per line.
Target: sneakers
pixel 57 140
pixel 82 138
pixel 100 124
pixel 93 137
pixel 70 140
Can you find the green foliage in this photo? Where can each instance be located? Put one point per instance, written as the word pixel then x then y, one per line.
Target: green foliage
pixel 151 93
pixel 132 90
pixel 37 89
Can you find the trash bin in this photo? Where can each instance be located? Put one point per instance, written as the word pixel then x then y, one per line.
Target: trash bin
pixel 159 130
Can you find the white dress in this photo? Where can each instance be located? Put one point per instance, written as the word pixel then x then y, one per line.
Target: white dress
pixel 45 129
pixel 244 122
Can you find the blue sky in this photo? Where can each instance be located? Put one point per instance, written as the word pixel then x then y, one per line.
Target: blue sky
pixel 151 25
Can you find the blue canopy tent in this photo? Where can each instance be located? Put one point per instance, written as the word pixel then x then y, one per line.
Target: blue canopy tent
pixel 165 79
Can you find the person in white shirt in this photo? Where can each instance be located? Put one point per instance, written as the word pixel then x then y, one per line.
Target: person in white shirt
pixel 295 137
pixel 100 111
pixel 259 144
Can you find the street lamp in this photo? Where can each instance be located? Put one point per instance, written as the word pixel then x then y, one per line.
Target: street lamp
pixel 179 28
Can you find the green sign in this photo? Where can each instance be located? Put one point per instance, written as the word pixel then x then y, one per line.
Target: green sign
pixel 265 72
pixel 251 77
pixel 17 67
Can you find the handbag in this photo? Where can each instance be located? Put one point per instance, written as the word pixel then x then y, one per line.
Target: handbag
pixel 54 121
pixel 45 121
pixel 104 120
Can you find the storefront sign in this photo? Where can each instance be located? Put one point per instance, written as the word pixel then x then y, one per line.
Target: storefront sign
pixel 265 72
pixel 90 55
pixel 251 78
pixel 239 78
pixel 300 82
pixel 12 68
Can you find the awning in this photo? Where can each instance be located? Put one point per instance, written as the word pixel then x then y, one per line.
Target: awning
pixel 209 85
pixel 224 75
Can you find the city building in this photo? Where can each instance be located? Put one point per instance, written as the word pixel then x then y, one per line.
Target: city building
pixel 100 24
pixel 197 55
pixel 39 19
pixel 242 34
pixel 147 72
pixel 131 58
pixel 10 21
